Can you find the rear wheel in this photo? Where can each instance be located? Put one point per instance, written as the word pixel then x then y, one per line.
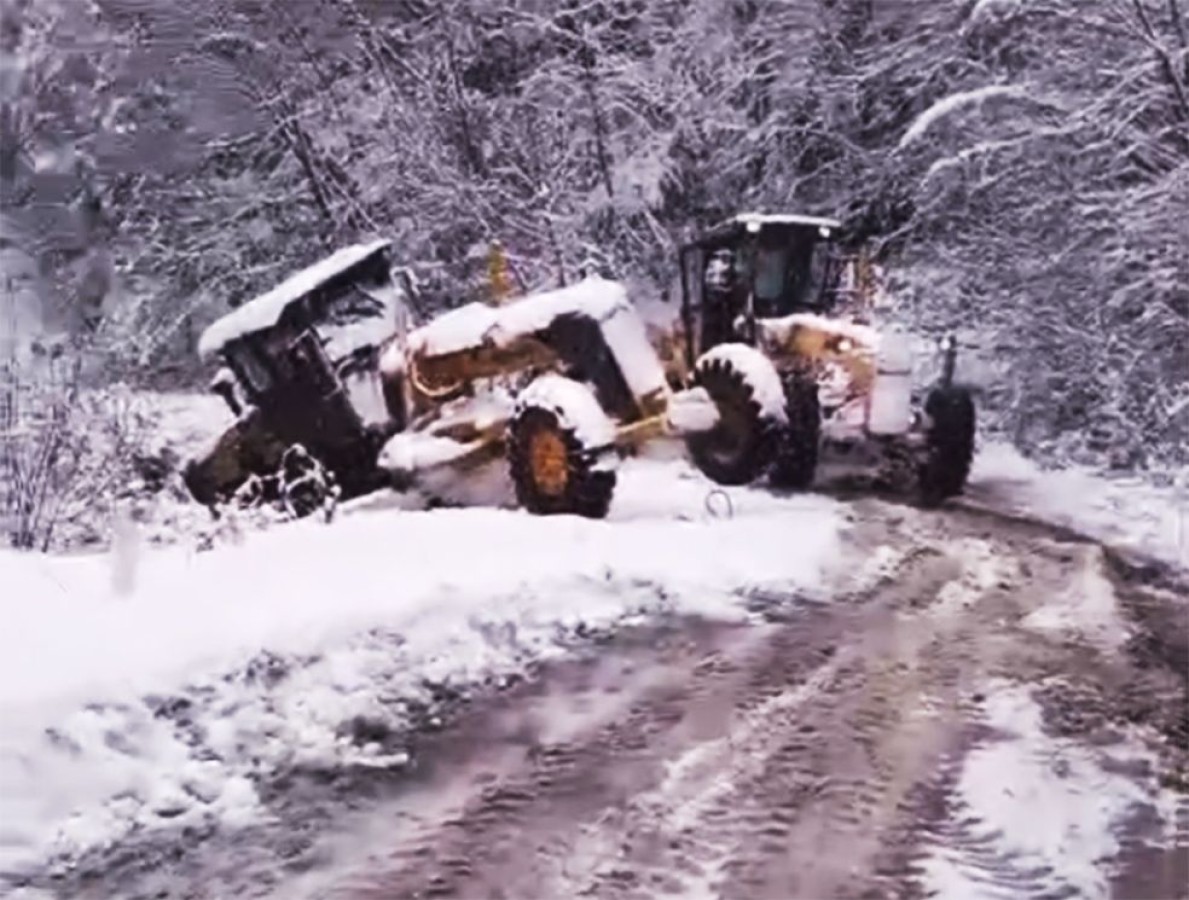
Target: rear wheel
pixel 799 441
pixel 740 448
pixel 949 447
pixel 555 471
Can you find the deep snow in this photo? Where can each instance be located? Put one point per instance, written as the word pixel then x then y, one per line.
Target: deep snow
pixel 157 703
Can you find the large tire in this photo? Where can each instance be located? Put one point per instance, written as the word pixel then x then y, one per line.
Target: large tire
pixel 800 440
pixel 553 470
pixel 245 448
pixel 949 444
pixel 741 447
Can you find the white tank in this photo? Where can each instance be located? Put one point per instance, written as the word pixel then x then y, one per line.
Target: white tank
pixel 890 409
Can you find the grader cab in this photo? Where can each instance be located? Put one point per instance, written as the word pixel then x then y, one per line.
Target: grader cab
pixel 755 267
pixel 298 367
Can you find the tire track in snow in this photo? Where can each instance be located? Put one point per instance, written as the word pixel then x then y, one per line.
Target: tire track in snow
pixel 838 773
pixel 846 749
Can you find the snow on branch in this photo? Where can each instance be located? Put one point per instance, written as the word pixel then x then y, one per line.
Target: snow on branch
pixel 957 103
pixel 990 9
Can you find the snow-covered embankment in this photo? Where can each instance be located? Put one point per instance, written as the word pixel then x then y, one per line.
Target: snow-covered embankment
pixel 163 699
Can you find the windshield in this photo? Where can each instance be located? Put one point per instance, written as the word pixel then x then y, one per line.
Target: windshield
pixel 249 368
pixel 365 315
pixel 771 266
pixel 789 276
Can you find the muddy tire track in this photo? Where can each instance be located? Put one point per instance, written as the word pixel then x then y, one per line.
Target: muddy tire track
pixel 818 754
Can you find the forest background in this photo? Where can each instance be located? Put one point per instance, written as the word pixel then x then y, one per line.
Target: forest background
pixel 1021 168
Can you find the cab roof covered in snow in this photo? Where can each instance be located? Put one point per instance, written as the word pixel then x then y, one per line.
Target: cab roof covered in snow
pixel 741 222
pixel 266 310
pixel 785 219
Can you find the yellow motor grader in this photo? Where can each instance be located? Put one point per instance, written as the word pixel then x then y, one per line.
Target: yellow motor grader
pixel 562 383
pixel 780 285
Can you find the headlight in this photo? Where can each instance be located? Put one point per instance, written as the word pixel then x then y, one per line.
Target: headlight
pixel 947 343
pixel 845 345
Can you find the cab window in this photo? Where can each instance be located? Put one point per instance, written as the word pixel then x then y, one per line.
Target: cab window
pixel 250 368
pixel 770 267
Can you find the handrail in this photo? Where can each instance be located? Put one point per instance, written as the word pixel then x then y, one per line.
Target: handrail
pixel 424 389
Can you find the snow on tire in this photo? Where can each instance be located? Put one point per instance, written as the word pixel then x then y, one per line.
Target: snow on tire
pixel 746 389
pixel 556 442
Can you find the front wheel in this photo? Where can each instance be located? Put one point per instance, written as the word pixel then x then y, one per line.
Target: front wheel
pixel 949 444
pixel 800 440
pixel 554 444
pixel 746 391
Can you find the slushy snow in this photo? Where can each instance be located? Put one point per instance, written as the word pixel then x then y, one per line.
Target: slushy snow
pixel 162 693
pixel 1032 803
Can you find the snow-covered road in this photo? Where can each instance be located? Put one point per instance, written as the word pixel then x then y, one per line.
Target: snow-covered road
pixel 151 697
pixel 153 689
pixel 939 735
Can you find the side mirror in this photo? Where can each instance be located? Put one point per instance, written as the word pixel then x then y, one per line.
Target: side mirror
pixel 223 384
pixel 408 284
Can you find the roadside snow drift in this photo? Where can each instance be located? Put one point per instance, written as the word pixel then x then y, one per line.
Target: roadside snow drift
pixel 1126 512
pixel 138 693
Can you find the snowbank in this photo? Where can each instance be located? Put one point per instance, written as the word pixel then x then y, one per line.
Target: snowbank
pixel 164 705
pixel 1125 512
pixel 187 423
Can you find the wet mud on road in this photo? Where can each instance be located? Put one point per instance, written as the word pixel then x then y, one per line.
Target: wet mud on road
pixel 834 750
pixel 1005 713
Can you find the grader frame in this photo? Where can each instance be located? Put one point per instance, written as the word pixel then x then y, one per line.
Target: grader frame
pixel 454 391
pixel 562 332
